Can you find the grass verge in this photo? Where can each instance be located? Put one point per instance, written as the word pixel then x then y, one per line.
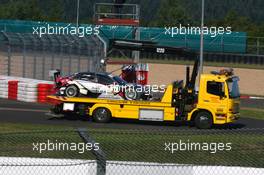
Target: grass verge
pixel 141 146
pixel 22 127
pixel 252 113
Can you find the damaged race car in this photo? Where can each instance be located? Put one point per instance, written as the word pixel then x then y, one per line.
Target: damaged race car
pixel 92 84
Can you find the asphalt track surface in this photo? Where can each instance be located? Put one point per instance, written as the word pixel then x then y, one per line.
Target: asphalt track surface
pixel 33 113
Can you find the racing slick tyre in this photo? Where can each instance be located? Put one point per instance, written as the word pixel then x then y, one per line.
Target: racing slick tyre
pixel 203 120
pixel 130 94
pixel 72 91
pixel 102 115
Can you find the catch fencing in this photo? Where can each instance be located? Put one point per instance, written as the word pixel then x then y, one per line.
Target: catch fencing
pixel 28 55
pixel 112 151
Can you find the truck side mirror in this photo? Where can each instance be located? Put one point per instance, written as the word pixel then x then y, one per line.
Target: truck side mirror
pixel 222 95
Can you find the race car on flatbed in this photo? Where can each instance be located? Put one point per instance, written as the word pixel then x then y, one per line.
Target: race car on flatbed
pixel 92 84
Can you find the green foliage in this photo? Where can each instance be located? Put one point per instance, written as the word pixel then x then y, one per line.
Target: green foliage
pixel 56 11
pixel 237 22
pixel 241 15
pixel 171 13
pixel 28 10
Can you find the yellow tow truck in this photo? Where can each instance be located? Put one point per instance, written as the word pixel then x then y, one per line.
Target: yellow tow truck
pixel 215 102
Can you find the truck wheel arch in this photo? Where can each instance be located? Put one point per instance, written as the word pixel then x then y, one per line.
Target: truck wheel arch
pixel 96 106
pixel 195 112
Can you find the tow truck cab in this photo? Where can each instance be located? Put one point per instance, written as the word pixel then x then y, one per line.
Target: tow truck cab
pixel 218 98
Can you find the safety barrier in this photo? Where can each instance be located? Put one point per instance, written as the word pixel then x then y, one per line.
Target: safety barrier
pixel 44 89
pixel 24 89
pixel 3 88
pixel 12 89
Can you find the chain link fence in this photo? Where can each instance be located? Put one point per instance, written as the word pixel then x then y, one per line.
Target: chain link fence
pixel 112 151
pixel 28 55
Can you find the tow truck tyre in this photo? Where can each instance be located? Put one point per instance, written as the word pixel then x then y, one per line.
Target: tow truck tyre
pixel 72 91
pixel 102 115
pixel 57 109
pixel 203 120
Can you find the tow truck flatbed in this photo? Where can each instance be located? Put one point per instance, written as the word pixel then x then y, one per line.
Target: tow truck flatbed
pixel 144 110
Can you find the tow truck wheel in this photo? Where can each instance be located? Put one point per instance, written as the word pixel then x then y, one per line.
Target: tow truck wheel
pixel 203 120
pixel 57 109
pixel 72 91
pixel 102 115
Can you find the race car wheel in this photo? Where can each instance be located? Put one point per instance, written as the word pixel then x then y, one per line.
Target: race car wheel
pixel 72 91
pixel 102 115
pixel 130 94
pixel 203 120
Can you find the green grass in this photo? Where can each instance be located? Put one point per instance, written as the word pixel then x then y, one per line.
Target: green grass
pixel 183 62
pixel 252 113
pixel 137 145
pixel 19 127
pixel 150 147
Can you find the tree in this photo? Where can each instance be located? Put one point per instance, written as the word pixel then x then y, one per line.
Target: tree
pixel 238 23
pixel 55 12
pixel 28 10
pixel 172 13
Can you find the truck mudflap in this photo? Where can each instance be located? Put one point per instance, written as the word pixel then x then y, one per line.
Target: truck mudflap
pixel 233 117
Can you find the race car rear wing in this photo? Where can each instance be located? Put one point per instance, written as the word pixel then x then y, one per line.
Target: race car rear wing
pixel 55 74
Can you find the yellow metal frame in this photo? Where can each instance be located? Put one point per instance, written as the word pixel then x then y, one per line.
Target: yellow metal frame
pixel 126 108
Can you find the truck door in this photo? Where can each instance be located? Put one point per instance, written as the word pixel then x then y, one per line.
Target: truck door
pixel 216 97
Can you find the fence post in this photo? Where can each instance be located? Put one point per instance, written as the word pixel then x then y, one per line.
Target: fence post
pixel 258 45
pixel 222 44
pixel 9 60
pixel 24 55
pixel 35 57
pixel 99 154
pixel 8 54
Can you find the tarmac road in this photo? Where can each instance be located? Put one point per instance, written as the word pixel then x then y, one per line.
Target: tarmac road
pixel 252 103
pixel 33 113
